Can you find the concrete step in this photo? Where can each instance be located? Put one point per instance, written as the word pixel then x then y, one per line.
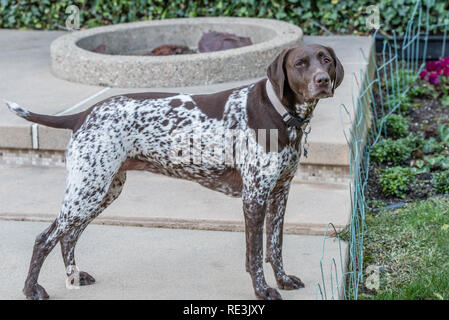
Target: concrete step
pixel 142 263
pixel 31 84
pixel 36 193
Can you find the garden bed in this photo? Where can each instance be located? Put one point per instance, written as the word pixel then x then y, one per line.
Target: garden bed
pixel 411 159
pixel 407 217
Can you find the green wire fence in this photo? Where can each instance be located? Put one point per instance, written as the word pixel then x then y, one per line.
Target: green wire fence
pixel 382 89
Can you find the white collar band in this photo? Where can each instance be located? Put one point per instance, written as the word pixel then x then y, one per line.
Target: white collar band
pixel 289 118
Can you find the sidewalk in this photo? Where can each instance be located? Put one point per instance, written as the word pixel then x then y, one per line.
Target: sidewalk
pixel 131 262
pixel 36 193
pixel 152 263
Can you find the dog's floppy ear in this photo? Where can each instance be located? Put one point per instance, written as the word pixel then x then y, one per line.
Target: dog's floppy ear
pixel 276 73
pixel 339 71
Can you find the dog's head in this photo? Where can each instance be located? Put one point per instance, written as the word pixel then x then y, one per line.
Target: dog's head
pixel 305 73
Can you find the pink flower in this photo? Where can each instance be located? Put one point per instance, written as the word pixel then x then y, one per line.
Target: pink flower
pixel 446 71
pixel 436 72
pixel 432 65
pixel 445 61
pixel 423 74
pixel 433 78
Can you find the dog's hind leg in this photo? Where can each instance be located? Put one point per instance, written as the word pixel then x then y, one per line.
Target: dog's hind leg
pixel 86 189
pixel 275 223
pixel 68 241
pixel 75 213
pixel 44 243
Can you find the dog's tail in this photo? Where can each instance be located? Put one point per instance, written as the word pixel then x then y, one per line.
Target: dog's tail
pixel 62 122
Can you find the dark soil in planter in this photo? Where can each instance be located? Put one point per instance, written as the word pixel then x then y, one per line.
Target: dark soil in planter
pixel 163 50
pixel 170 49
pixel 209 42
pixel 426 115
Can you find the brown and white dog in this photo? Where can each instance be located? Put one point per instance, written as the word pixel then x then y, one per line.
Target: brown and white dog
pixel 144 131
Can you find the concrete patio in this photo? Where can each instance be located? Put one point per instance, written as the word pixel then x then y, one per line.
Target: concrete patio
pixel 32 193
pixel 151 263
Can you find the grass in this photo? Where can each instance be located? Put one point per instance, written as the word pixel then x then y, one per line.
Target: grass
pixel 411 245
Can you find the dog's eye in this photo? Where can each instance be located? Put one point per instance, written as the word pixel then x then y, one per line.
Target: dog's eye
pixel 299 63
pixel 326 60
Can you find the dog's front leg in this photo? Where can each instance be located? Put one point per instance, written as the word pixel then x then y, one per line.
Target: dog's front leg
pixel 254 217
pixel 277 203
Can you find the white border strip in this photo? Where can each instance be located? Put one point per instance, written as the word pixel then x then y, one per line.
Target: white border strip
pixel 83 102
pixel 35 136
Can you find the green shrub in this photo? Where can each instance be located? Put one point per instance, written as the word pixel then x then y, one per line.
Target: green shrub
pixel 432 163
pixel 389 150
pixel 403 101
pixel 414 142
pixel 440 182
pixel 443 133
pixel 397 126
pixel 431 145
pixel 422 91
pixel 310 15
pixel 396 181
pixel 401 78
pixel 439 161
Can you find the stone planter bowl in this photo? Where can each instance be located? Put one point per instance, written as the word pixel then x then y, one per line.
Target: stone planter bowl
pixel 73 60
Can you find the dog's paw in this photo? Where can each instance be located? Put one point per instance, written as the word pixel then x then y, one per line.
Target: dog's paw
pixel 35 292
pixel 288 282
pixel 78 279
pixel 268 294
pixel 86 279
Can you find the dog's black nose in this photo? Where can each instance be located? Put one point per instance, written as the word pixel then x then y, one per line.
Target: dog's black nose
pixel 322 79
